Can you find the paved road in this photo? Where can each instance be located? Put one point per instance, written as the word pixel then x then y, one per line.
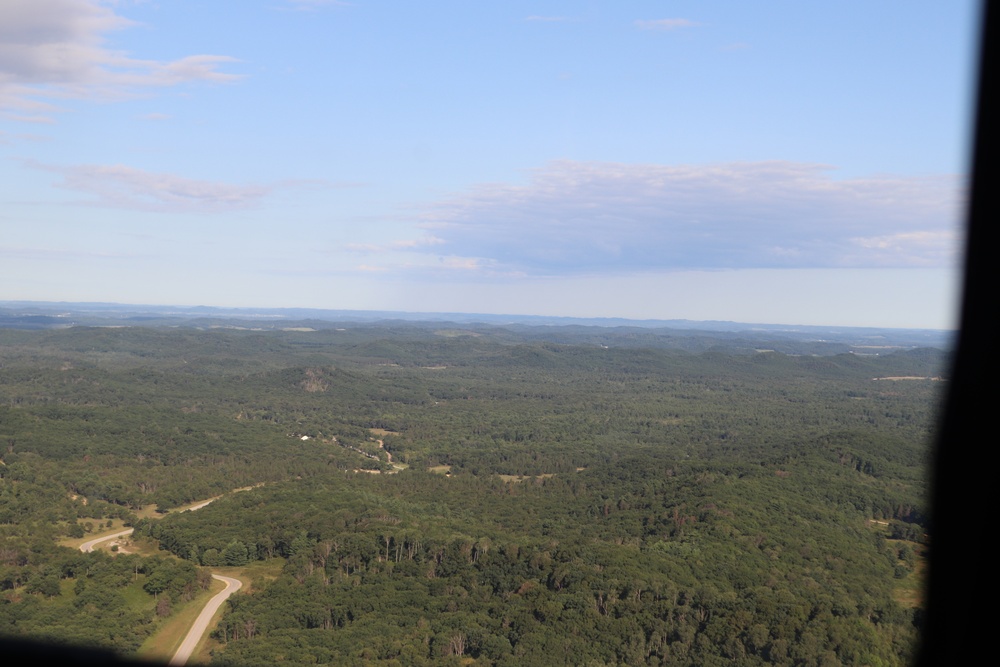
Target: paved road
pixel 199 505
pixel 200 626
pixel 87 547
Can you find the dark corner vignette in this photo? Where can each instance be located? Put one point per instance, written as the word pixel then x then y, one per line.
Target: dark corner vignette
pixel 962 472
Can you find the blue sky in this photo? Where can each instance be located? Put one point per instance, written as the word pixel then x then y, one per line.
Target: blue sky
pixel 780 162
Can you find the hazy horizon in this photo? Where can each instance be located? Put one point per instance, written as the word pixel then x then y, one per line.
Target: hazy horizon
pixel 296 314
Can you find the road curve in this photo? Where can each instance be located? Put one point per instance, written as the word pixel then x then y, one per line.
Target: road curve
pixel 200 626
pixel 87 547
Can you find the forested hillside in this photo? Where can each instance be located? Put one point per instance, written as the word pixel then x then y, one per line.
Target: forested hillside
pixel 448 494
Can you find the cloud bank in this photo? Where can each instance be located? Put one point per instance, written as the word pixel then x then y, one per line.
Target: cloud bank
pixel 120 186
pixel 53 50
pixel 576 218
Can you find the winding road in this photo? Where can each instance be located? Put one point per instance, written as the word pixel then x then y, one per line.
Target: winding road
pixel 200 626
pixel 87 547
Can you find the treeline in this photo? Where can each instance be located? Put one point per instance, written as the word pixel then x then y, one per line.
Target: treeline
pixel 644 565
pixel 64 596
pixel 672 507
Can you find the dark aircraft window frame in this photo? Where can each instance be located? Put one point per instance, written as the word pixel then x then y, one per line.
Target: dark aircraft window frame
pixel 957 628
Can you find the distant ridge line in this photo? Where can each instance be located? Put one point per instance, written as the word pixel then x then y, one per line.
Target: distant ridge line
pixel 66 309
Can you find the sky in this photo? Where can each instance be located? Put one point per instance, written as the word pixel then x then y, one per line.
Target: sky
pixel 778 162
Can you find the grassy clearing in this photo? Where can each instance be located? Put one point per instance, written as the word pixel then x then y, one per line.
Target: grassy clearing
pixel 75 542
pixel 909 591
pixel 521 478
pixel 163 643
pixel 381 432
pixel 66 593
pixel 255 575
pixel 137 598
pixel 149 512
pixel 457 333
pixel 144 546
pixel 441 470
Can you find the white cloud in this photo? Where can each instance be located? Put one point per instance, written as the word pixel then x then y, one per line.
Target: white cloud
pixel 417 243
pixel 53 50
pixel 593 217
pixel 27 137
pixel 665 24
pixel 404 244
pixel 120 186
pixel 447 266
pixel 923 248
pixel 463 263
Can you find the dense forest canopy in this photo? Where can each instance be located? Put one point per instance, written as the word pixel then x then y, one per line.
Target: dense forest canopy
pixel 477 494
